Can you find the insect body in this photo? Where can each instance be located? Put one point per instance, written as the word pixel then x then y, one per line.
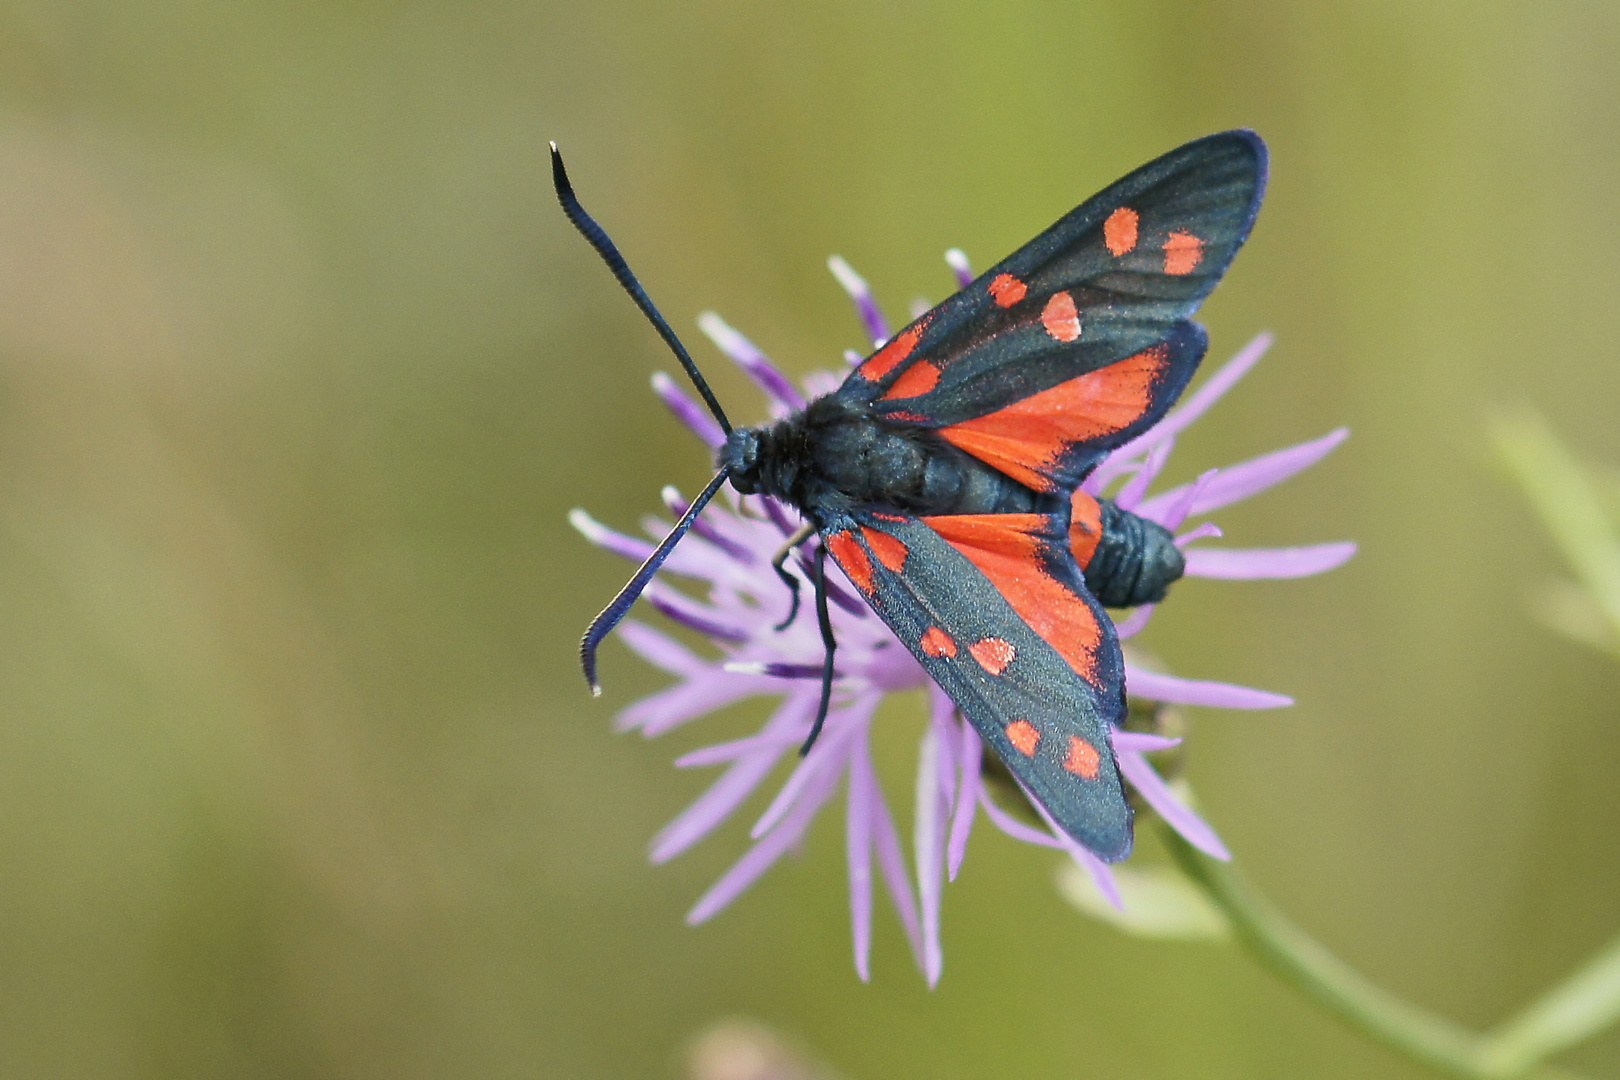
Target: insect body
pixel 943 475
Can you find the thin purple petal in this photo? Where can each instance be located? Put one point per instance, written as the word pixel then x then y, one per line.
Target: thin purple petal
pixel 661 650
pixel 626 547
pixel 1012 826
pixel 1138 742
pixel 1205 531
pixel 1137 486
pixel 890 861
pixel 1214 388
pixel 858 829
pixel 763 854
pixel 1255 475
pixel 1194 829
pixel 692 615
pixel 942 715
pixel 970 757
pixel 751 359
pixel 1157 687
pixel 687 411
pixel 1248 564
pixel 684 702
pixel 851 357
pixel 877 327
pixel 1135 623
pixel 1101 874
pixel 1178 509
pixel 957 259
pixel 929 841
pixel 736 783
pixel 1089 862
pixel 1179 419
pixel 830 753
pixel 721 753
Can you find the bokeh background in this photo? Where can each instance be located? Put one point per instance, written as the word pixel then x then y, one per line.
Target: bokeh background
pixel 301 369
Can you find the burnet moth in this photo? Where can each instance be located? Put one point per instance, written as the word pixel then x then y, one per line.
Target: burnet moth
pixel 943 476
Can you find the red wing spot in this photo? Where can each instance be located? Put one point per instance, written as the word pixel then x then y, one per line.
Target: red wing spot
pixel 852 557
pixel 1007 549
pixel 993 653
pixel 1083 758
pixel 1182 253
pixel 887 358
pixel 888 517
pixel 915 381
pixel 1085 527
pixel 937 643
pixel 915 418
pixel 1119 231
pixel 1026 439
pixel 890 552
pixel 1007 290
pixel 1060 318
pixel 1024 737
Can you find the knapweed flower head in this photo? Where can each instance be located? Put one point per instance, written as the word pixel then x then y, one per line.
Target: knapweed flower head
pixel 729 550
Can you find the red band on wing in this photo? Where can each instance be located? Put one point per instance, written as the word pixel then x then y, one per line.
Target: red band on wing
pixel 1026 439
pixel 1060 317
pixel 993 654
pixel 915 381
pixel 937 643
pixel 1024 736
pixel 1119 231
pixel 890 551
pixel 852 557
pixel 1182 253
pixel 1007 549
pixel 1085 527
pixel 1007 290
pixel 885 359
pixel 1083 758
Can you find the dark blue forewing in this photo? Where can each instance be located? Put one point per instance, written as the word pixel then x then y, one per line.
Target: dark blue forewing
pixel 1111 280
pixel 997 613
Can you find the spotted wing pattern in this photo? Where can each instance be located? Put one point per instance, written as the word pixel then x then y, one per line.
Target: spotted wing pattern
pixel 995 610
pixel 1110 287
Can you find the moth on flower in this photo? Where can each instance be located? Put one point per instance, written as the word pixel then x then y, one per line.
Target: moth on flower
pixel 957 476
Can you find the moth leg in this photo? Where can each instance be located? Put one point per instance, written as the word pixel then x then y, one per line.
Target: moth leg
pixel 829 642
pixel 803 533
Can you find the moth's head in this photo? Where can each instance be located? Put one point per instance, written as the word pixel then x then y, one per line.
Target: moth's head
pixel 740 456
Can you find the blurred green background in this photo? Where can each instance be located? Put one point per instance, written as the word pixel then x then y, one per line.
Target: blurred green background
pixel 301 368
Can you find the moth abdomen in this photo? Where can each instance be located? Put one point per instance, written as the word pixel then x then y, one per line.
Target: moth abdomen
pixel 1128 560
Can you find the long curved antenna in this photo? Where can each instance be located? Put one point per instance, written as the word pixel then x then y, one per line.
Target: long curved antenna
pixel 598 239
pixel 604 623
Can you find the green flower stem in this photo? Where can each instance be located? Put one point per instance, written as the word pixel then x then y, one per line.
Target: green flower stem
pixel 1306 965
pixel 1582 1005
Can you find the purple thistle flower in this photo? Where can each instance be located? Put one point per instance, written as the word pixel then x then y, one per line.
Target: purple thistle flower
pixel 729 550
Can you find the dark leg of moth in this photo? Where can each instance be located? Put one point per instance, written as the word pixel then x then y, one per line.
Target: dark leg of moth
pixel 829 643
pixel 803 533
